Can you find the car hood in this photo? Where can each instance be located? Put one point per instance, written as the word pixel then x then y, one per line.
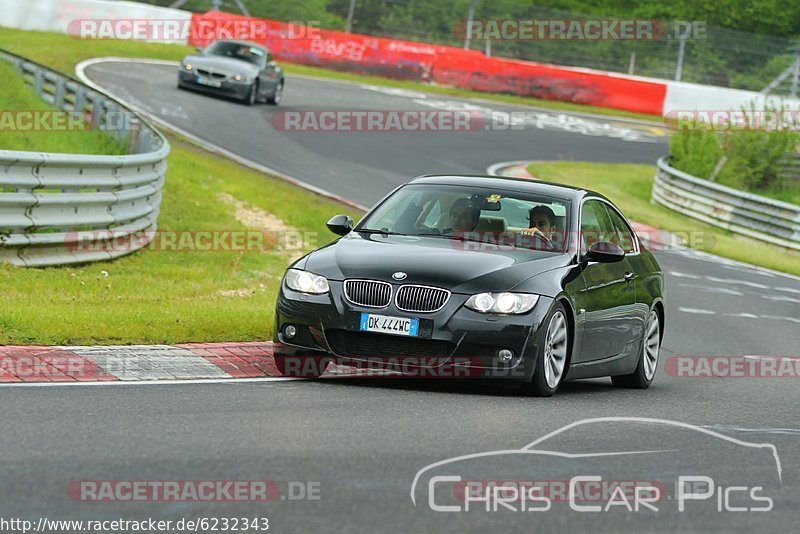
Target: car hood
pixel 455 265
pixel 222 64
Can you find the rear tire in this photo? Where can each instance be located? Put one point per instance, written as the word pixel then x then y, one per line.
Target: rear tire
pixel 301 366
pixel 553 355
pixel 645 371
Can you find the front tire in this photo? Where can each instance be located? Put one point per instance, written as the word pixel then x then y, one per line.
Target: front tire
pixel 277 96
pixel 553 355
pixel 645 371
pixel 250 99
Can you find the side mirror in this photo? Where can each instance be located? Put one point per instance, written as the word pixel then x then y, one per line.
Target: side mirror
pixel 340 224
pixel 199 49
pixel 605 252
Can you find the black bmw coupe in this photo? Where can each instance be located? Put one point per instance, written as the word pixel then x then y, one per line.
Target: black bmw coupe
pixel 478 276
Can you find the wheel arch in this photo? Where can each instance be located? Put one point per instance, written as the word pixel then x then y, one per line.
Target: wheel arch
pixel 658 306
pixel 570 309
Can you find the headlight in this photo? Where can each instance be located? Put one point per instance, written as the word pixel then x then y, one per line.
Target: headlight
pixel 187 66
pixel 504 303
pixel 306 282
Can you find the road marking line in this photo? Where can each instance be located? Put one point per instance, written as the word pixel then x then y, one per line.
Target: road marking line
pixel 720 290
pixel 151 382
pixel 736 282
pixel 698 311
pixel 677 274
pixel 780 298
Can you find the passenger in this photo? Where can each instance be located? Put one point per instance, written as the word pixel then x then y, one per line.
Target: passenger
pixel 464 216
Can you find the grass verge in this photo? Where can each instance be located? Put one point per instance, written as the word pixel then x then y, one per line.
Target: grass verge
pixel 63 53
pixel 15 95
pixel 629 187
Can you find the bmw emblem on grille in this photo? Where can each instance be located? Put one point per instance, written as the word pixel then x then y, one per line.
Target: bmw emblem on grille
pixel 399 275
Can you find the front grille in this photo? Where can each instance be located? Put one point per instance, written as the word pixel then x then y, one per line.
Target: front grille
pixel 421 298
pixel 370 293
pixel 216 75
pixel 370 345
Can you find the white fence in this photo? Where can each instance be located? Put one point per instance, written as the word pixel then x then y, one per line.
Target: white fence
pixel 57 15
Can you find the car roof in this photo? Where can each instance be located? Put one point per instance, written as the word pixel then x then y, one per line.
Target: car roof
pixel 504 182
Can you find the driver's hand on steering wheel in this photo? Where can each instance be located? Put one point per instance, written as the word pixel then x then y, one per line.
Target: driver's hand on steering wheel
pixel 532 231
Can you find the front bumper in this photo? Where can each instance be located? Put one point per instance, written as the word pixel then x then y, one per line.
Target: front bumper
pixel 453 342
pixel 229 88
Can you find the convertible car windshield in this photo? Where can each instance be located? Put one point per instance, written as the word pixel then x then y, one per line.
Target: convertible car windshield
pixel 510 218
pixel 243 52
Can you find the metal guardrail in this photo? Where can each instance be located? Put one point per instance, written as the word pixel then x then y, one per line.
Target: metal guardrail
pixel 752 215
pixel 58 209
pixel 790 167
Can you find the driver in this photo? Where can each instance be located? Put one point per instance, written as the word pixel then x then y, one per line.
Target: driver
pixel 243 52
pixel 542 222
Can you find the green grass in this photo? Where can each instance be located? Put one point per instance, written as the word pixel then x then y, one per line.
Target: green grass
pixel 629 187
pixel 63 53
pixel 17 96
pixel 170 297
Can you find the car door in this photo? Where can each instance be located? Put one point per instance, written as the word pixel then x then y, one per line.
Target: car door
pixel 607 302
pixel 626 239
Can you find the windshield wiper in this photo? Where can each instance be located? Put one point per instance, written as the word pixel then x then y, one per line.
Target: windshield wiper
pixel 382 231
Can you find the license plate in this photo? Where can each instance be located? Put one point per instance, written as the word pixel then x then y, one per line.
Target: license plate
pixel 399 326
pixel 210 83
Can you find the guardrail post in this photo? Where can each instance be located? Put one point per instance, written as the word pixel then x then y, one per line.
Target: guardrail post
pixel 97 111
pixel 38 82
pixel 80 100
pixel 58 96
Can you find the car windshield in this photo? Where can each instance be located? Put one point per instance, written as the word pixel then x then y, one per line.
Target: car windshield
pixel 243 52
pixel 510 218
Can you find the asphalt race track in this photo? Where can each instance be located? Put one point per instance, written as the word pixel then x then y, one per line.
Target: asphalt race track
pixel 364 440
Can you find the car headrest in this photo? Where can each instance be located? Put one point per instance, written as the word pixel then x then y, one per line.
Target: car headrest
pixel 491 224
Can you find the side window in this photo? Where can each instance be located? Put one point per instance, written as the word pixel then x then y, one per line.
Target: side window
pixel 595 224
pixel 623 236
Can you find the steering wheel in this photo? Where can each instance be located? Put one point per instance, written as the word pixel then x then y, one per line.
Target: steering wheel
pixel 540 236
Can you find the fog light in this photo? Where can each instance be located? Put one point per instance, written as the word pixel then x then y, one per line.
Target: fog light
pixel 504 355
pixel 289 331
